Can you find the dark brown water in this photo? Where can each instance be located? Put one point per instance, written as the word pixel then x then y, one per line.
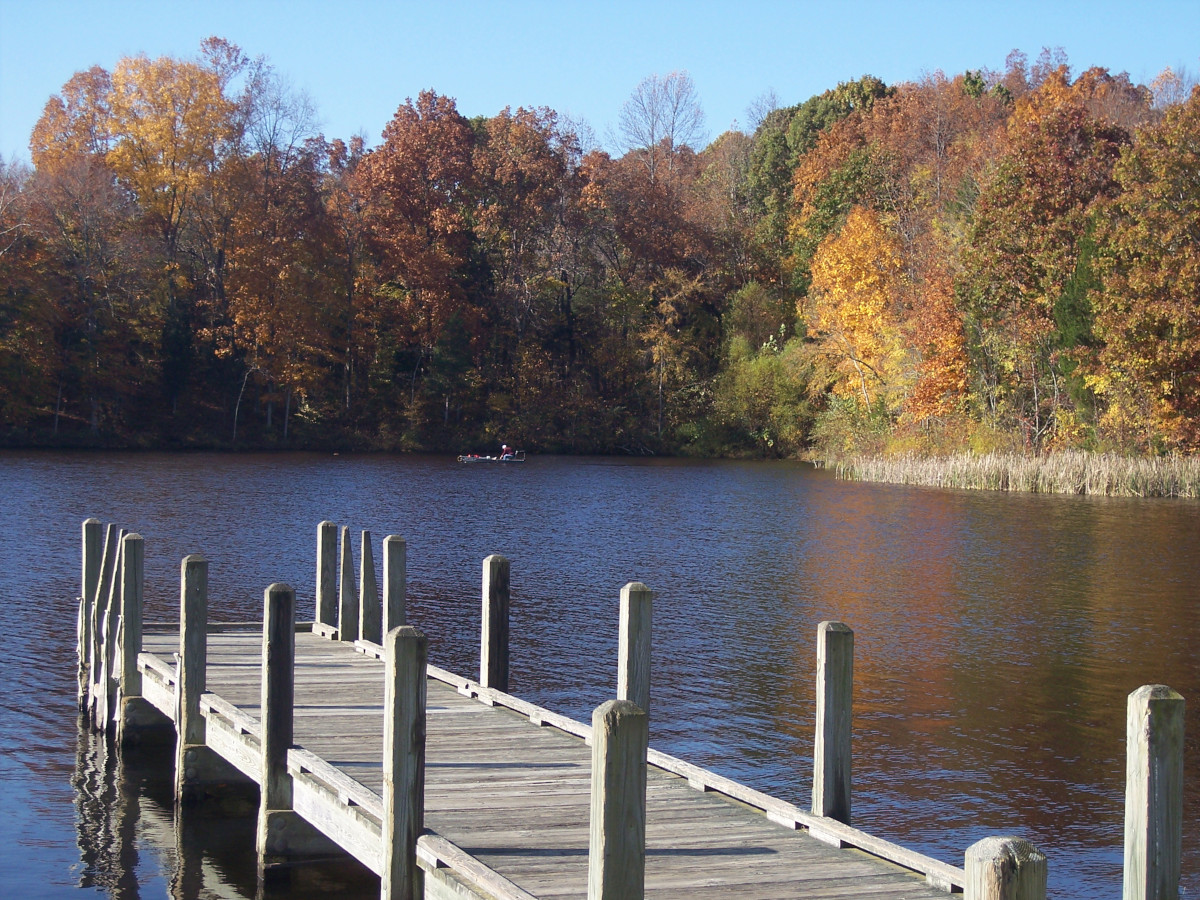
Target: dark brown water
pixel 996 637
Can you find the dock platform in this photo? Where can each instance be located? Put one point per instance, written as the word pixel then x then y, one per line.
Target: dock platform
pixel 450 787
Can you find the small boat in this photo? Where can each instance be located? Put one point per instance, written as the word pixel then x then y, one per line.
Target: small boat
pixel 513 456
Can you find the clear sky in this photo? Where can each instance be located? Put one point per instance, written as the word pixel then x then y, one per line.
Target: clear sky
pixel 359 59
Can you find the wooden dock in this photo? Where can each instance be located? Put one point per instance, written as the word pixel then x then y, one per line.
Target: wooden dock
pixel 446 786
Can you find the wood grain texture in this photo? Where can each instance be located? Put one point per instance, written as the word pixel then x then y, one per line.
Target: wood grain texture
pixel 395 569
pixel 835 705
pixel 1154 748
pixel 404 702
pixel 633 644
pixel 617 824
pixel 1005 868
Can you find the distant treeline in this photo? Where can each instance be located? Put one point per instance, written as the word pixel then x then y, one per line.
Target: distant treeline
pixel 994 261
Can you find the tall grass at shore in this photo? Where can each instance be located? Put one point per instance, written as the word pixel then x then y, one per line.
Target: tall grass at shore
pixel 1063 472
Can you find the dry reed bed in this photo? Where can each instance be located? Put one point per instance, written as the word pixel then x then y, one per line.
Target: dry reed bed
pixel 1064 472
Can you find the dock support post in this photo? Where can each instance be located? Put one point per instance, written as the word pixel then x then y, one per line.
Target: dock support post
pixel 282 835
pixel 347 598
pixel 493 655
pixel 105 683
pixel 369 614
pixel 633 645
pixel 1005 868
pixel 326 612
pixel 96 618
pixel 835 698
pixel 89 582
pixel 193 650
pixel 135 717
pixel 278 695
pixel 403 763
pixel 617 827
pixel 1153 793
pixel 394 574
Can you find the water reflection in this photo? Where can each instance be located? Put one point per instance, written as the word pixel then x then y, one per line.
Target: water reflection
pixel 107 817
pixel 133 842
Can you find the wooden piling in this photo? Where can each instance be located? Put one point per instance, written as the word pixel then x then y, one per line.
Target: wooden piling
pixel 617 827
pixel 1153 793
pixel 493 655
pixel 326 612
pixel 1005 868
pixel 131 708
pixel 193 649
pixel 369 614
pixel 835 697
pixel 633 645
pixel 96 619
pixel 278 695
pixel 347 597
pixel 105 684
pixel 395 564
pixel 89 580
pixel 403 763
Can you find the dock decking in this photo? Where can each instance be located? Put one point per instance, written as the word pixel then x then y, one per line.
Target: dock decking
pixel 515 795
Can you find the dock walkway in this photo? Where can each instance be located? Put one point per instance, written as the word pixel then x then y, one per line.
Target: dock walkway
pixel 515 796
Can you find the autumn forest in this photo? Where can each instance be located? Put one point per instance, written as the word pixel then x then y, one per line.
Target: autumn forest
pixel 995 260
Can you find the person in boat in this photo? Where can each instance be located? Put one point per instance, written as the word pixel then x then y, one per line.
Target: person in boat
pixel 506 452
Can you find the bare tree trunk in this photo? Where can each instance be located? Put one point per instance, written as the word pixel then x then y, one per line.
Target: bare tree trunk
pixel 58 405
pixel 238 406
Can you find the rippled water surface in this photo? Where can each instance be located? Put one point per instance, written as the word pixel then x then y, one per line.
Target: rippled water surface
pixel 996 637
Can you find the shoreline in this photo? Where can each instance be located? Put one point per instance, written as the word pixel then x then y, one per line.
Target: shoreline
pixel 1061 472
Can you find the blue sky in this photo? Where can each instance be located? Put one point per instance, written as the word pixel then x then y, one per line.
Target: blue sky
pixel 359 59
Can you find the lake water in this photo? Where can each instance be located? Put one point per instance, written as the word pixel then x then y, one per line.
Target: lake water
pixel 997 637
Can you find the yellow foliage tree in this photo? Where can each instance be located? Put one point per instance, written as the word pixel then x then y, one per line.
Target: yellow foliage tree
pixel 856 274
pixel 169 121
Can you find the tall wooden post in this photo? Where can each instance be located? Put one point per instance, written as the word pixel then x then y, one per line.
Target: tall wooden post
pixel 633 645
pixel 326 612
pixel 493 654
pixel 1153 793
pixel 1005 868
pixel 394 575
pixel 617 827
pixel 131 710
pixel 278 694
pixel 403 763
pixel 835 700
pixel 96 618
pixel 193 649
pixel 89 581
pixel 369 615
pixel 347 598
pixel 104 684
